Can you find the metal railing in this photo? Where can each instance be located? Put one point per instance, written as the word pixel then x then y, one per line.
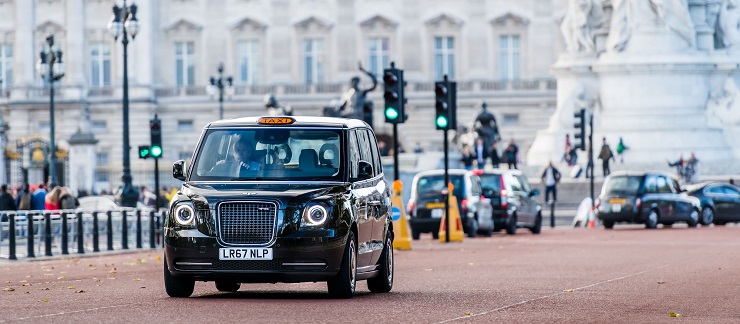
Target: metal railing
pixel 56 230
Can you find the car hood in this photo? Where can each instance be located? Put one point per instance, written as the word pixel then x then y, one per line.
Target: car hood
pixel 283 193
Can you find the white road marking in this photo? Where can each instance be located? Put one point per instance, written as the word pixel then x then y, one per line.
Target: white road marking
pixel 66 313
pixel 553 295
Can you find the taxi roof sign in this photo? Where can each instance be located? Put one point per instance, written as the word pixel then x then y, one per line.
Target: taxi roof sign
pixel 276 120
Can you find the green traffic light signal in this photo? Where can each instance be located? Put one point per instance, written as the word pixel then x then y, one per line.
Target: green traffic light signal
pixel 144 152
pixel 391 113
pixel 441 122
pixel 156 151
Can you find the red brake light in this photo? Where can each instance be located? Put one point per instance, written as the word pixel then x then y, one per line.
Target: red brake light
pixel 478 172
pixel 504 202
pixel 410 208
pixel 464 205
pixel 638 203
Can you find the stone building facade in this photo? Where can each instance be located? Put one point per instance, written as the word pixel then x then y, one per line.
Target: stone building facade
pixel 303 51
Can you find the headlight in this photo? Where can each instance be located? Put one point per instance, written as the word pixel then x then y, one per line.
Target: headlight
pixel 184 214
pixel 315 215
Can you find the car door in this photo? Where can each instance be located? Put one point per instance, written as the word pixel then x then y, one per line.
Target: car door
pixel 361 192
pixel 519 198
pixel 667 202
pixel 653 198
pixel 379 203
pixel 733 195
pixel 724 205
pixel 529 200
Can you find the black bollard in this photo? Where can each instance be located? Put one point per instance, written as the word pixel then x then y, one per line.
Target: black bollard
pixel 11 239
pixel 124 230
pixel 138 228
pixel 109 230
pixel 552 213
pixel 65 239
pixel 29 234
pixel 151 230
pixel 80 234
pixel 47 233
pixel 96 233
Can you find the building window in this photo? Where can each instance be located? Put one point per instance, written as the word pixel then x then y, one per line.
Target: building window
pixel 313 61
pixel 101 176
pixel 184 125
pixel 99 126
pixel 444 57
pixel 378 54
pixel 248 61
pixel 100 65
pixel 6 65
pixel 184 63
pixel 101 159
pixel 511 119
pixel 509 57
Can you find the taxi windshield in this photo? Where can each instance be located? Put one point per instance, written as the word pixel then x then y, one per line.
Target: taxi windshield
pixel 269 153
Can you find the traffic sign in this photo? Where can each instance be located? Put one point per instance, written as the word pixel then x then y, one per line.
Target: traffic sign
pixel 395 213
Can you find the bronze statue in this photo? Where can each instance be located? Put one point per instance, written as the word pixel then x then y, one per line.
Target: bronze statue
pixel 354 99
pixel 486 127
pixel 274 108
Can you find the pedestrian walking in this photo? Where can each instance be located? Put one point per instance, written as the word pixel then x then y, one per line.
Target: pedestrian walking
pixel 493 153
pixel 38 199
pixel 51 201
pixel 620 150
pixel 23 198
pixel 467 157
pixel 67 200
pixel 551 177
pixel 6 199
pixel 679 165
pixel 605 155
pixel 511 153
pixel 692 169
pixel 481 153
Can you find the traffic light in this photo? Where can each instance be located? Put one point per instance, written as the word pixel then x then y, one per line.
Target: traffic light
pixel 395 100
pixel 155 131
pixel 144 151
pixel 580 134
pixel 445 104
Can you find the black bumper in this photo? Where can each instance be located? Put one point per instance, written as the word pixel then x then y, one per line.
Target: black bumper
pixel 425 225
pixel 629 217
pixel 295 259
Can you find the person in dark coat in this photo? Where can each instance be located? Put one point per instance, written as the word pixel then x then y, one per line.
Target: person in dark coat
pixel 38 199
pixel 23 198
pixel 6 201
pixel 481 153
pixel 467 157
pixel 495 158
pixel 511 154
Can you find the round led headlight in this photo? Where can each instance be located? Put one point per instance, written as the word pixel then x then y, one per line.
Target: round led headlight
pixel 315 215
pixel 184 214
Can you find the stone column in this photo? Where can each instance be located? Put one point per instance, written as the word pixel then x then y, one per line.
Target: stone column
pixel 280 38
pixel 477 34
pixel 346 46
pixel 704 32
pixel 3 145
pixel 74 58
pixel 24 56
pixel 142 48
pixel 82 159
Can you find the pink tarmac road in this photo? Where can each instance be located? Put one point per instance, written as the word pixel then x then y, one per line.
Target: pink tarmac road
pixel 625 275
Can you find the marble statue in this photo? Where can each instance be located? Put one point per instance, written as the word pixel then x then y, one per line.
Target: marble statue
pixel 580 97
pixel 582 19
pixel 630 15
pixel 729 21
pixel 723 106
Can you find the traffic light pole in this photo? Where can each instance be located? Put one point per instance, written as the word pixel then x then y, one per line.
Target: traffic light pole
pixel 156 183
pixel 591 156
pixel 395 152
pixel 447 196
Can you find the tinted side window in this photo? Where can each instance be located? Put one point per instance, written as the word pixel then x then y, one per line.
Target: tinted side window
pixel 732 191
pixel 651 184
pixel 354 154
pixel 377 166
pixel 364 144
pixel 716 190
pixel 515 186
pixel 663 186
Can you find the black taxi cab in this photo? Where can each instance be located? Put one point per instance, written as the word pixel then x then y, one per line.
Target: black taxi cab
pixel 281 199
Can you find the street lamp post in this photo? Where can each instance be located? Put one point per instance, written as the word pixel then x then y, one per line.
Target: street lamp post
pixel 124 23
pixel 51 68
pixel 221 84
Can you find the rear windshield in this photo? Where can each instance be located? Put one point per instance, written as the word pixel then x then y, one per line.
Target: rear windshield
pixel 628 184
pixel 435 183
pixel 491 181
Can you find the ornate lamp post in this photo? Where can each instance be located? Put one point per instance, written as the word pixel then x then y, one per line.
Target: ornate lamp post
pixel 221 84
pixel 51 68
pixel 122 24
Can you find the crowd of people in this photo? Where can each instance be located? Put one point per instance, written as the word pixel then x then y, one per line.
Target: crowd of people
pixel 36 197
pixel 480 154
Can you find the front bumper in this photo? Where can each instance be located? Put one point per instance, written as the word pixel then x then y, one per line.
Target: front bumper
pixel 303 256
pixel 629 217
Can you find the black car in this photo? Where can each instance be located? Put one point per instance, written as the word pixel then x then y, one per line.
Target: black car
pixel 645 198
pixel 720 202
pixel 309 203
pixel 513 200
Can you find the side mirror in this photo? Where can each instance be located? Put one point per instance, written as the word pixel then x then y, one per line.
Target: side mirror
pixel 365 170
pixel 535 192
pixel 178 170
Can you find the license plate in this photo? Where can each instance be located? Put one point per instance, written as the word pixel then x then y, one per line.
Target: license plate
pixel 433 205
pixel 616 208
pixel 437 213
pixel 245 254
pixel 620 201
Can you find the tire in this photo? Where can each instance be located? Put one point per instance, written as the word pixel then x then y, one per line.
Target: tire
pixel 608 224
pixel 473 228
pixel 415 234
pixel 344 283
pixel 488 232
pixel 651 221
pixel 383 283
pixel 177 287
pixel 693 218
pixel 537 226
pixel 435 235
pixel 227 286
pixel 720 223
pixel 511 225
pixel 707 216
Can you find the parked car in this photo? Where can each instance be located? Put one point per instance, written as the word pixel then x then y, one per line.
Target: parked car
pixel 103 203
pixel 513 200
pixel 281 199
pixel 426 204
pixel 649 198
pixel 720 202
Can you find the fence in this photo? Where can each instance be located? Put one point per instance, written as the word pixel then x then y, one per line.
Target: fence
pixel 84 230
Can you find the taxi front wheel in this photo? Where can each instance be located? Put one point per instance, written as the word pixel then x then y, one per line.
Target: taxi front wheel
pixel 177 287
pixel 344 283
pixel 383 283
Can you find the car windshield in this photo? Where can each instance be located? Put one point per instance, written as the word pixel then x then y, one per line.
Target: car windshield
pixel 627 184
pixel 491 181
pixel 435 183
pixel 269 154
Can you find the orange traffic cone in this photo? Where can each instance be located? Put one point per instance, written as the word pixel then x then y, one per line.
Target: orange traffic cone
pixel 456 234
pixel 402 236
pixel 591 218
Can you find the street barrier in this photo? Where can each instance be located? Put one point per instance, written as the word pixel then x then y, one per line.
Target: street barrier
pixel 456 229
pixel 53 231
pixel 402 236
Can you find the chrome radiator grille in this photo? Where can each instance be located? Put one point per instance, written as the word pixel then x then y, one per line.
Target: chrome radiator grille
pixel 247 222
